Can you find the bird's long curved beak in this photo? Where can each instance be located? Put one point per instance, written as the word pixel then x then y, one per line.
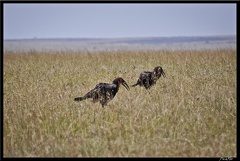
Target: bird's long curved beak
pixel 163 73
pixel 126 85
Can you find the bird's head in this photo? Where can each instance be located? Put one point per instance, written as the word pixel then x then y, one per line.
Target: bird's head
pixel 120 81
pixel 158 71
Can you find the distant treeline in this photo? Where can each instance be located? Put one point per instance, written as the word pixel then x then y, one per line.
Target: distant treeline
pixel 140 40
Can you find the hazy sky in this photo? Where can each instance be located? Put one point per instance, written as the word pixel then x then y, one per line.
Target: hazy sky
pixel 117 20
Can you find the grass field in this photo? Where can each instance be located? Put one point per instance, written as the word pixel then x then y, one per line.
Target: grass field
pixel 189 113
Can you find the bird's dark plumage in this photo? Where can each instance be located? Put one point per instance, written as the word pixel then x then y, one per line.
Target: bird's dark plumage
pixel 148 79
pixel 104 92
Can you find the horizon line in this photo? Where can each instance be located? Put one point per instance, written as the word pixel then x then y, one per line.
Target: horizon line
pixel 136 37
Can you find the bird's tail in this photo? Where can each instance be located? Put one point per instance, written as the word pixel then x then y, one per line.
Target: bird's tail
pixel 134 85
pixel 79 98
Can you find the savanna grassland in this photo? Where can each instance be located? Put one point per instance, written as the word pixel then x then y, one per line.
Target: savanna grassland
pixel 189 113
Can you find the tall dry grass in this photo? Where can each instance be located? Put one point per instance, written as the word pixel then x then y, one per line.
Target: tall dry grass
pixel 190 113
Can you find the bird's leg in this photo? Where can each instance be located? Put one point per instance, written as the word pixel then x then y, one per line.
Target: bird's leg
pixel 94 116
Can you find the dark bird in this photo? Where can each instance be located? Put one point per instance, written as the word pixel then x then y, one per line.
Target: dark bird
pixel 148 79
pixel 104 92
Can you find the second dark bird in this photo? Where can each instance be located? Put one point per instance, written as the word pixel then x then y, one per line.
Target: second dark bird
pixel 148 79
pixel 104 92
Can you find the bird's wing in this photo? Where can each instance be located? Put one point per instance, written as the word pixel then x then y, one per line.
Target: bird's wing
pixel 100 90
pixel 107 89
pixel 106 92
pixel 94 92
pixel 145 74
